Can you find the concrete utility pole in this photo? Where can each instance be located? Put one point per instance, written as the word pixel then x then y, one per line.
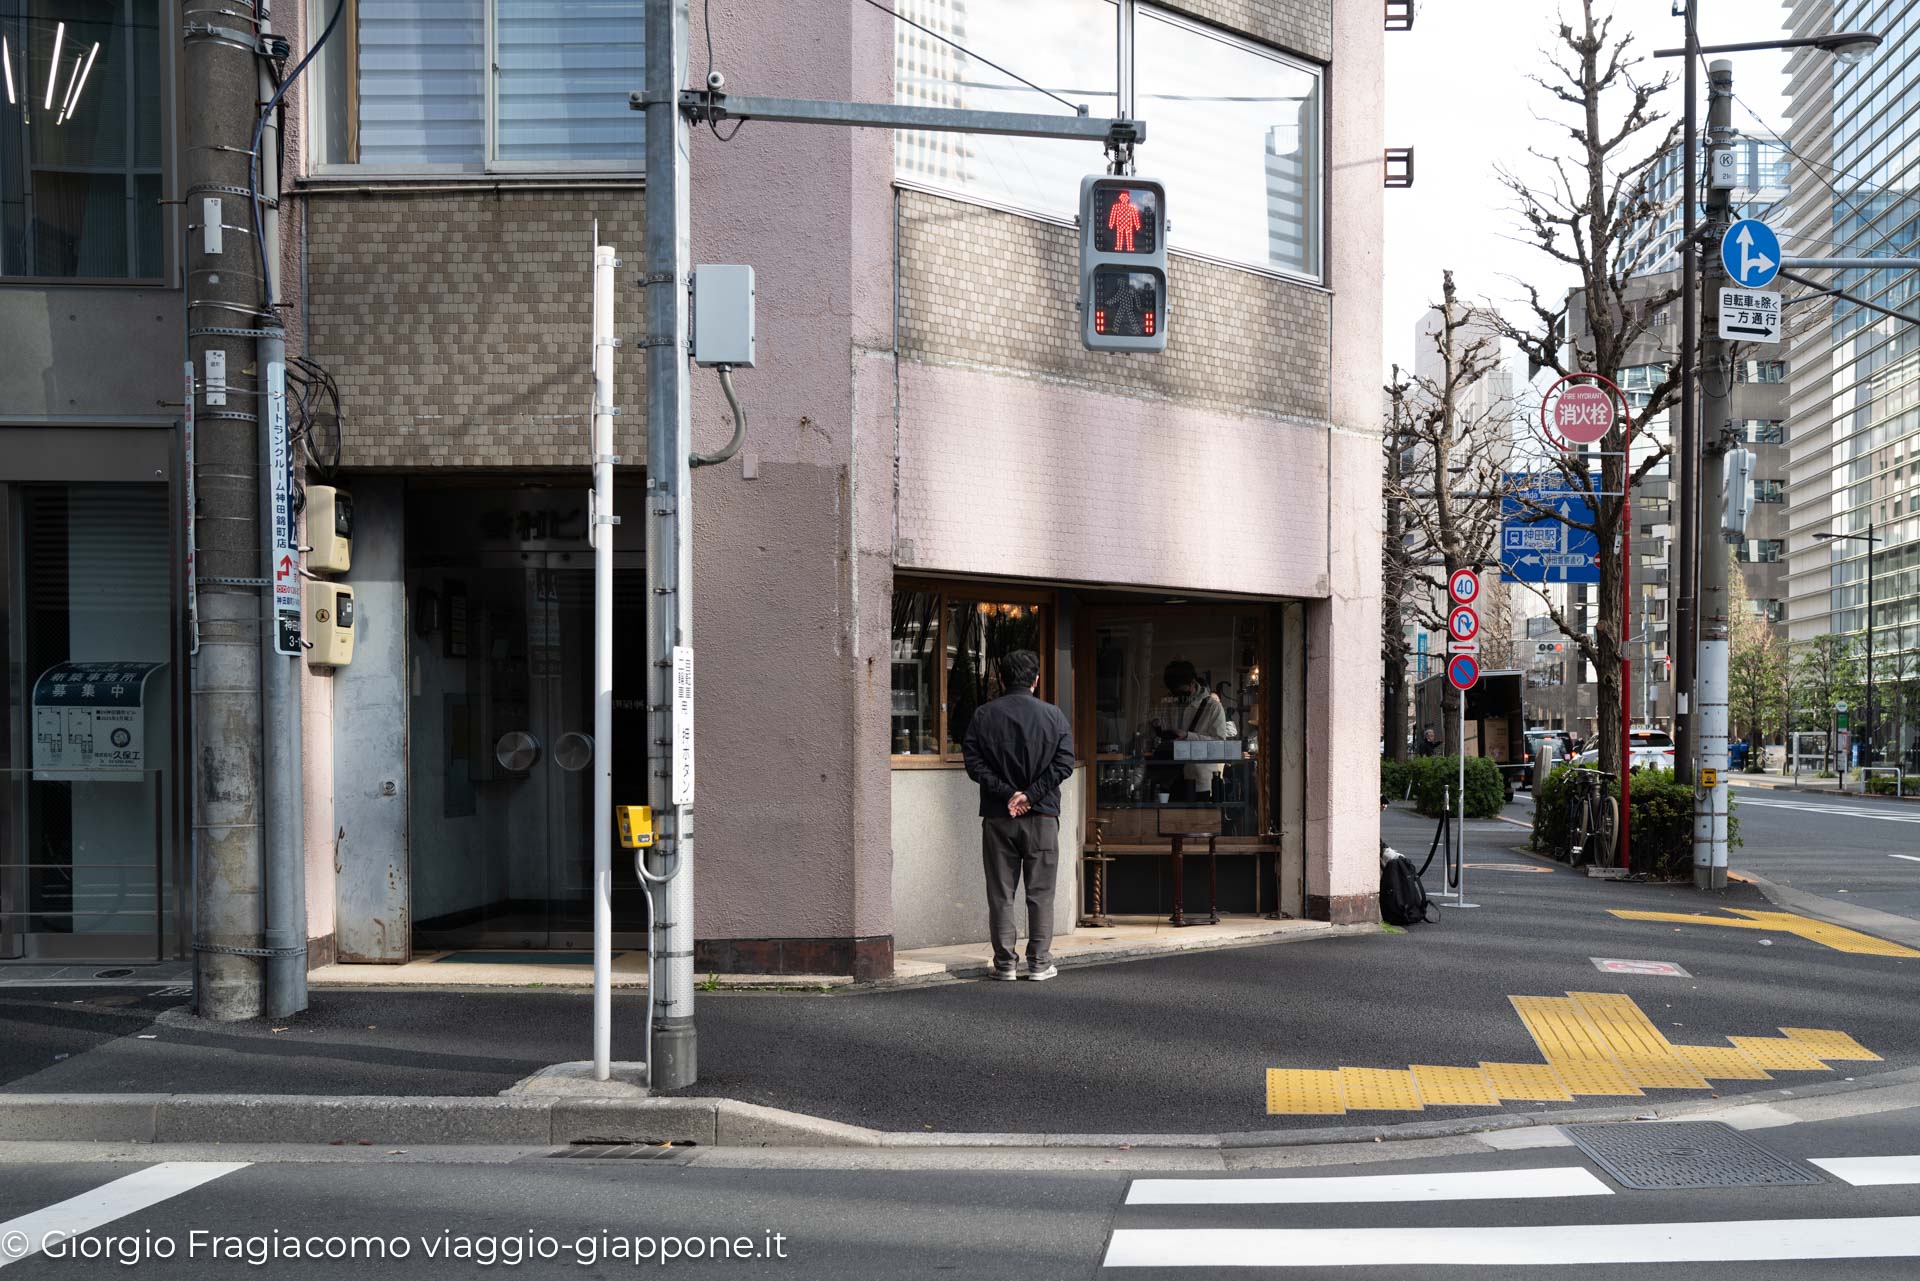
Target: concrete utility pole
pixel 1686 509
pixel 1717 437
pixel 672 1058
pixel 224 290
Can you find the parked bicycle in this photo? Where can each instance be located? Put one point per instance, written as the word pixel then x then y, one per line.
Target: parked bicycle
pixel 1593 819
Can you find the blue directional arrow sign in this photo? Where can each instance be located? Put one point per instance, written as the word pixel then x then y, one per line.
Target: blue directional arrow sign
pixel 1537 545
pixel 1751 253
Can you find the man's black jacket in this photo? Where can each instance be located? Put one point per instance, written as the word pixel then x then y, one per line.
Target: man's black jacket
pixel 1019 743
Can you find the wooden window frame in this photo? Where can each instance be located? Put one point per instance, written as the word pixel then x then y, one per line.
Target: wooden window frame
pixel 964 589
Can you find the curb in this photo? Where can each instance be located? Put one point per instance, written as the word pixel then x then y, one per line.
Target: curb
pixel 524 1122
pixel 1867 920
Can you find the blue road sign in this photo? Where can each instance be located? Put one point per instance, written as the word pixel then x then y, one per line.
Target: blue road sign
pixel 1463 670
pixel 1751 253
pixel 1537 547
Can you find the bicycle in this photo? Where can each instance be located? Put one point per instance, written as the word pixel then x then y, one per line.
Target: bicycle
pixel 1593 819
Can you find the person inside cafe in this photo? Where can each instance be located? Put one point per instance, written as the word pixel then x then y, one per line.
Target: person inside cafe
pixel 1189 711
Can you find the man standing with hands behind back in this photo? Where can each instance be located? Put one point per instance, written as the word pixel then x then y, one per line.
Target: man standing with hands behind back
pixel 1019 749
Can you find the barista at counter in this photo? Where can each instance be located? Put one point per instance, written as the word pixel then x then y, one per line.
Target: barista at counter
pixel 1189 711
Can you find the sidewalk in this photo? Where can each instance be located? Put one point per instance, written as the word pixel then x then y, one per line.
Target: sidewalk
pixel 1174 1048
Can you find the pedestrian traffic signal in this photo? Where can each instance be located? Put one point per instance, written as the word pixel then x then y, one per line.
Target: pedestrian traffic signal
pixel 1123 264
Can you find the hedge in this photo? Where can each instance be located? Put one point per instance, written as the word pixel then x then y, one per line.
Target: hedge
pixel 1881 785
pixel 1434 777
pixel 1662 830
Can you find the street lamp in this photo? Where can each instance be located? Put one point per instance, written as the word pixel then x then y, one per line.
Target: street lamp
pixel 1704 643
pixel 1869 538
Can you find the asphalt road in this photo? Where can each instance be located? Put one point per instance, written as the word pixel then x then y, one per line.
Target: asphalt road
pixel 1367 1216
pixel 1180 1044
pixel 1866 852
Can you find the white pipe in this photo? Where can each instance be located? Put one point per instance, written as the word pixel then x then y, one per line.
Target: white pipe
pixel 604 261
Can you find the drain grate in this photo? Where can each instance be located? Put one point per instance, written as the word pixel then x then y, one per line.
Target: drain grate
pixel 1685 1154
pixel 621 1151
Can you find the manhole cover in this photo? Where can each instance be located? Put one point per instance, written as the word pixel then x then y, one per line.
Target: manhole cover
pixel 1684 1154
pixel 620 1151
pixel 113 974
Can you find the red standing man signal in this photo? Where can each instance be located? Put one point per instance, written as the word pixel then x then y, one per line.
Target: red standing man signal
pixel 1123 220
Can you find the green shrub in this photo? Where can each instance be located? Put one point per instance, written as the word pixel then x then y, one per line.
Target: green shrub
pixel 1393 779
pixel 1881 785
pixel 1435 776
pixel 1661 833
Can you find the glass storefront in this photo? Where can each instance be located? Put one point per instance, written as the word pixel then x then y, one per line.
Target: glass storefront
pixel 87 846
pixel 945 644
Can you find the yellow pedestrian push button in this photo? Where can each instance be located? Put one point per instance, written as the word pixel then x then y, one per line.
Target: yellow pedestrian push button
pixel 1709 778
pixel 636 826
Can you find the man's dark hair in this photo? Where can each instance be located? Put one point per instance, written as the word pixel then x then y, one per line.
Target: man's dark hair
pixel 1180 672
pixel 1019 669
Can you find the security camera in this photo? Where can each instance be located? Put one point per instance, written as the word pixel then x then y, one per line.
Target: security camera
pixel 715 81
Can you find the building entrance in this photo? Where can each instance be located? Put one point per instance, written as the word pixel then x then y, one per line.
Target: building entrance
pixel 501 724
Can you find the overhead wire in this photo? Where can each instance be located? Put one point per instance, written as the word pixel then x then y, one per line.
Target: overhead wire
pixel 900 17
pixel 253 152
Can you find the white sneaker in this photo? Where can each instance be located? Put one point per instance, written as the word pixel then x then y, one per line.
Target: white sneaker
pixel 1041 974
pixel 1006 975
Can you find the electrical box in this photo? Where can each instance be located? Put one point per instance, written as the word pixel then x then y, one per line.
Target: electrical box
pixel 1723 169
pixel 636 826
pixel 329 529
pixel 1736 493
pixel 329 624
pixel 723 315
pixel 1123 263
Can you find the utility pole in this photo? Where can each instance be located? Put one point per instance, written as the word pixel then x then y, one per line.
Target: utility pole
pixel 1688 446
pixel 672 1057
pixel 1709 705
pixel 224 291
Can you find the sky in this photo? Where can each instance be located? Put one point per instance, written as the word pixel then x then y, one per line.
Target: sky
pixel 1458 93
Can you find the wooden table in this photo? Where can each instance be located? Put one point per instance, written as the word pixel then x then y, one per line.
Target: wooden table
pixel 1179 840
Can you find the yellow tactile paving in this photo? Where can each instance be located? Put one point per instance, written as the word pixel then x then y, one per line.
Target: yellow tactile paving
pixel 1453 1086
pixel 1779 1054
pixel 1571 1047
pixel 1837 937
pixel 1721 1063
pixel 1526 1082
pixel 1642 1051
pixel 1831 1046
pixel 1594 1043
pixel 1379 1090
pixel 1303 1092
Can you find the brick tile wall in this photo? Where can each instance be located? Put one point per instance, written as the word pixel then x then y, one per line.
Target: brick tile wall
pixel 1298 26
pixel 994 289
pixel 458 324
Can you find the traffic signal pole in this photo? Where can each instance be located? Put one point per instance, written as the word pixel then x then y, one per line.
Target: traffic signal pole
pixel 1716 438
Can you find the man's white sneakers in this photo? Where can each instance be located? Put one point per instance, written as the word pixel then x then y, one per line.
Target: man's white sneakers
pixel 1040 975
pixel 1006 975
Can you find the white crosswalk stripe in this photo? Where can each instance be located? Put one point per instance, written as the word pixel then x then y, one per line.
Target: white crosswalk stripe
pixel 25 1236
pixel 1471 1185
pixel 1290 1248
pixel 1871 1171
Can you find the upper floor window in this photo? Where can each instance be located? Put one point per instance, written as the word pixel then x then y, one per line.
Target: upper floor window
pixel 1760 371
pixel 480 85
pixel 1234 128
pixel 80 140
pixel 1765 431
pixel 1769 491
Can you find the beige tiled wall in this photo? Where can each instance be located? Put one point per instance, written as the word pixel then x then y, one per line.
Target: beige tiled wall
pixel 457 323
pixel 997 290
pixel 1298 26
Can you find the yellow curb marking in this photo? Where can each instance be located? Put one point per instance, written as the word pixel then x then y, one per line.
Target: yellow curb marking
pixel 1594 1043
pixel 1837 937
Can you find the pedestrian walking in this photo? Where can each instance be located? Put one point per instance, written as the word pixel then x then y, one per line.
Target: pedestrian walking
pixel 1019 749
pixel 1429 744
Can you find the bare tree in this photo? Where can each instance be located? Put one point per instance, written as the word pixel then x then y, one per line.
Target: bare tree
pixel 1589 217
pixel 1753 676
pixel 1454 433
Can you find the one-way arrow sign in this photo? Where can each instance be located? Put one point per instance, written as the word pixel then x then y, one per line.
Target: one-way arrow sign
pixel 1749 315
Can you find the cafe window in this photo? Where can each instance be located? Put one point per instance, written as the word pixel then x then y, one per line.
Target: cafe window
pixel 1179 715
pixel 946 641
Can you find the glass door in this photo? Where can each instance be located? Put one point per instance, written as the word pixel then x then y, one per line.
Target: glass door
pixel 502 752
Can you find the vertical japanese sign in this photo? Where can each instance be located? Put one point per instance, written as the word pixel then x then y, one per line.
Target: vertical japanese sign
pixel 286 548
pixel 682 729
pixel 193 581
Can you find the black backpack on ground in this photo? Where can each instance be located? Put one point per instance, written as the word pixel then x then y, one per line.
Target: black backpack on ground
pixel 1403 897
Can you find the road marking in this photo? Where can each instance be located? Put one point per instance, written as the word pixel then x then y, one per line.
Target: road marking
pixel 1912 858
pixel 1843 810
pixel 1594 1043
pixel 1563 1245
pixel 1473 1185
pixel 1872 1171
pixel 1837 937
pixel 104 1204
pixel 1662 969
